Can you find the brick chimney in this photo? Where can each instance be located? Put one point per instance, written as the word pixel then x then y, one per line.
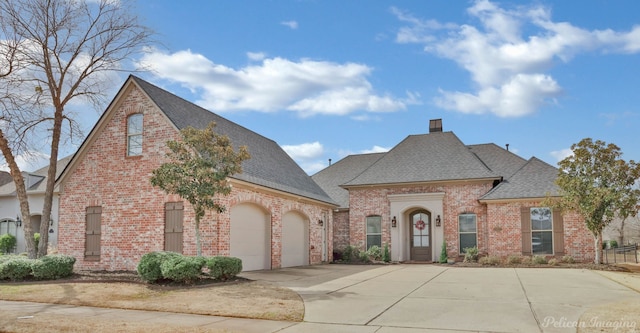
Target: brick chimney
pixel 435 125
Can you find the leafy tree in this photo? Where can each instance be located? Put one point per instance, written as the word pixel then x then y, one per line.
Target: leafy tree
pixel 599 185
pixel 198 169
pixel 52 53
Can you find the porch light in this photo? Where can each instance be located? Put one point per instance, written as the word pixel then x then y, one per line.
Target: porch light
pixel 438 221
pixel 394 222
pixel 320 223
pixel 18 221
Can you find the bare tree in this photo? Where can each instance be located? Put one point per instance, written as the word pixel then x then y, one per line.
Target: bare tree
pixel 64 50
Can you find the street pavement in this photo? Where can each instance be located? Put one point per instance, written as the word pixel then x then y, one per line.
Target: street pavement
pixel 425 298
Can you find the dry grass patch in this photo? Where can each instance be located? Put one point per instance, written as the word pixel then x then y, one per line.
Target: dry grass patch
pixel 244 299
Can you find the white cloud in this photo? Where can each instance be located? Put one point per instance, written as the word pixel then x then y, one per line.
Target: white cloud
pixel 375 149
pixel 256 56
pixel 307 87
pixel 291 24
pixel 305 151
pixel 307 155
pixel 560 155
pixel 509 68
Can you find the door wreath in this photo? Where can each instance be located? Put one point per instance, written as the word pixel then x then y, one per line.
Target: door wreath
pixel 420 225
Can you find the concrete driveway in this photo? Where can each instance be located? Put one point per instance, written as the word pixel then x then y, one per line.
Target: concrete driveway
pixel 433 298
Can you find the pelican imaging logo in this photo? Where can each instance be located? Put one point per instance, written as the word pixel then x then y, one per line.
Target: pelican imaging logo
pixel 621 325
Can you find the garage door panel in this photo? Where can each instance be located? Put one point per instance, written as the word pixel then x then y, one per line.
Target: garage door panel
pixel 250 238
pixel 295 240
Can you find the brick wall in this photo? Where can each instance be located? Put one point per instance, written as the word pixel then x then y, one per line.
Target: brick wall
pixel 458 199
pixel 498 225
pixel 341 229
pixel 133 210
pixel 505 231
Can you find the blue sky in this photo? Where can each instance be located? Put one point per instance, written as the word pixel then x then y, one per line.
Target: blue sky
pixel 325 79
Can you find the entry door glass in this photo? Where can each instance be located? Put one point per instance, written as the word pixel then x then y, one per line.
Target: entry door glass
pixel 421 226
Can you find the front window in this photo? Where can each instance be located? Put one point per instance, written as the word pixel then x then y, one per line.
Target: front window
pixel 468 231
pixel 8 226
pixel 541 231
pixel 374 231
pixel 134 135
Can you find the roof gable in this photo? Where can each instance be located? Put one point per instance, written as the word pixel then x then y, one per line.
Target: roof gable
pixel 269 165
pixel 536 179
pixel 439 156
pixel 346 169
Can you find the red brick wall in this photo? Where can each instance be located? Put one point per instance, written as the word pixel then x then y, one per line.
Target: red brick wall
pixel 340 229
pixel 133 210
pixel 458 199
pixel 505 232
pixel 498 225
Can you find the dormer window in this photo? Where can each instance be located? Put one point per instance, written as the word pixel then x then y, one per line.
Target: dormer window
pixel 134 135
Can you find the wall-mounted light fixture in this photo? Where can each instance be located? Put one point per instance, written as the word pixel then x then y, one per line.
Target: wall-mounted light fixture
pixel 394 222
pixel 320 223
pixel 438 221
pixel 18 221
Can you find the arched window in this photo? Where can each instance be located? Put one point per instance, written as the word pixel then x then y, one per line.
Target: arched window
pixel 134 135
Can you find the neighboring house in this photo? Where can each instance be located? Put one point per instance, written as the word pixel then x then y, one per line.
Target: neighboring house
pixel 111 215
pixel 432 188
pixel 10 220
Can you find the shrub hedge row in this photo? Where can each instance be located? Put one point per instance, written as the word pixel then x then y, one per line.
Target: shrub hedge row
pixel 51 267
pixel 156 266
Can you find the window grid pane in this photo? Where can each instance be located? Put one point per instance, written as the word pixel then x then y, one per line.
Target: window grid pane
pixel 541 230
pixel 134 135
pixel 374 231
pixel 467 227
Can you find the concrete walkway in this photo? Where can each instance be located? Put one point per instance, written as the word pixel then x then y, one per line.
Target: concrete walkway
pixel 416 298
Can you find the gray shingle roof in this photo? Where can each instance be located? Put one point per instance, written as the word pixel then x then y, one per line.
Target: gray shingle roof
pixel 437 156
pixel 35 180
pixel 269 165
pixel 501 161
pixel 346 169
pixel 535 179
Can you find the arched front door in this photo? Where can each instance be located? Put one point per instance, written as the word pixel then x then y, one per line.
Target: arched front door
pixel 420 231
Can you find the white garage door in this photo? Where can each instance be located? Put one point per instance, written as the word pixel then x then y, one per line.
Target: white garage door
pixel 295 240
pixel 251 237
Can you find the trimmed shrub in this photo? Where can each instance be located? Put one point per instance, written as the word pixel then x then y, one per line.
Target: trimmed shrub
pixel 568 259
pixel 553 262
pixel 224 268
pixel 374 253
pixel 182 269
pixel 540 260
pixel 7 243
pixel 514 260
pixel 53 267
pixel 471 254
pixel 613 244
pixel 15 268
pixel 150 264
pixel 386 255
pixel 443 253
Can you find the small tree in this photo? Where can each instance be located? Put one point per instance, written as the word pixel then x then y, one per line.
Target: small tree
pixel 599 185
pixel 198 170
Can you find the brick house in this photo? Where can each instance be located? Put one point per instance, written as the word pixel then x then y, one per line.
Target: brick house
pixel 432 188
pixel 110 214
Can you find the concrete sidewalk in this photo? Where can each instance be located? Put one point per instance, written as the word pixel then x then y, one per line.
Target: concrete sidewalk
pixel 416 298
